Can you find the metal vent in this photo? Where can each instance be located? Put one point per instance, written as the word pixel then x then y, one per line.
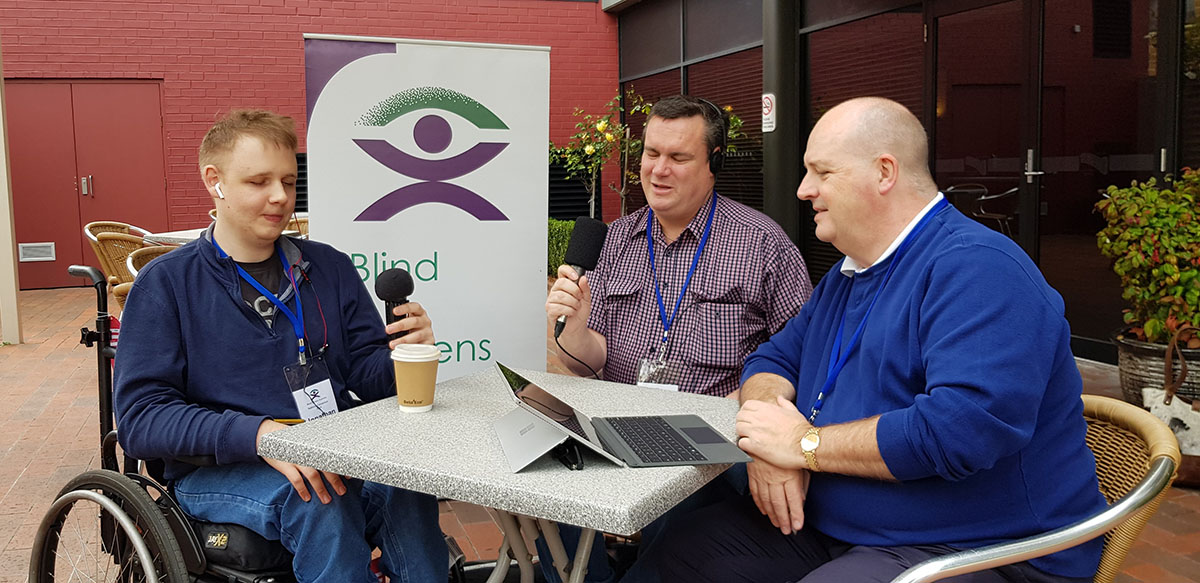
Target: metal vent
pixel 35 252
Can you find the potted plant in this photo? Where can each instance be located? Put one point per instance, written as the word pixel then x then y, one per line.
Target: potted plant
pixel 1152 234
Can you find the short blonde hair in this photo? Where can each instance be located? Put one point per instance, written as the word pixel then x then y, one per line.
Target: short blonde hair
pixel 267 126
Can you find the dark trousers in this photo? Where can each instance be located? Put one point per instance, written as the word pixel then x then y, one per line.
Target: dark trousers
pixel 732 541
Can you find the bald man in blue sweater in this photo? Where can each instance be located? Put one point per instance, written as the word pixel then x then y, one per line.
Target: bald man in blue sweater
pixel 925 400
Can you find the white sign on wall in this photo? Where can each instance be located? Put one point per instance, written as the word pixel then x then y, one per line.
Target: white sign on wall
pixel 768 112
pixel 431 156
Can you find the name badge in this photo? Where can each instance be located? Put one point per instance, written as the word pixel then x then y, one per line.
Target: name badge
pixel 660 386
pixel 315 401
pixel 660 374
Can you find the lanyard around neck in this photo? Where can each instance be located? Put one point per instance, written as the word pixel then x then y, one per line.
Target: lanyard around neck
pixel 837 356
pixel 297 321
pixel 662 309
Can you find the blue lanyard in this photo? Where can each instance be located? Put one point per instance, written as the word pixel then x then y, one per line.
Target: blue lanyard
pixel 837 356
pixel 662 309
pixel 297 322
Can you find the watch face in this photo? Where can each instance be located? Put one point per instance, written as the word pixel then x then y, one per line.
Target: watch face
pixel 809 442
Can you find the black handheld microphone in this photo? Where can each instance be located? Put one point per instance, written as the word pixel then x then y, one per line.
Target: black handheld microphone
pixel 393 287
pixel 583 252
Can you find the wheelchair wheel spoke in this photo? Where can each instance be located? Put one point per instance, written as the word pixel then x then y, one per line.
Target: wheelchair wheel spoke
pixel 92 539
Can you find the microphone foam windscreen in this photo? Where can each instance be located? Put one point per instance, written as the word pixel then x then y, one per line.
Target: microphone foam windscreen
pixel 394 285
pixel 587 239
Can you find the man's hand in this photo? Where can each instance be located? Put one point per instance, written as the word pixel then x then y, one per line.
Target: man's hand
pixel 297 475
pixel 779 493
pixel 772 432
pixel 415 321
pixel 570 296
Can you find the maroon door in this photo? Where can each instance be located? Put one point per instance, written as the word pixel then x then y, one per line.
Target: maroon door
pixel 119 148
pixel 61 133
pixel 41 153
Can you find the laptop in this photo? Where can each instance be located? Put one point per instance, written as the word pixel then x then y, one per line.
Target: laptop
pixel 641 441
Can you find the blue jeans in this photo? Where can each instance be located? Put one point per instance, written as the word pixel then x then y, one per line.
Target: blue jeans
pixel 331 542
pixel 733 483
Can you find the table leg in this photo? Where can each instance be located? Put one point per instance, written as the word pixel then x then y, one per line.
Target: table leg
pixel 512 535
pixel 500 571
pixel 558 553
pixel 579 569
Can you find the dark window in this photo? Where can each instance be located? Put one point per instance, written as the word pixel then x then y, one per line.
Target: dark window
pixel 736 81
pixel 1112 29
pixel 301 182
pixel 712 27
pixel 568 197
pixel 650 37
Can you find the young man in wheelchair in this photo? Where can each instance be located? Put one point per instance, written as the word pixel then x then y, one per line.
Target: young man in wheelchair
pixel 245 326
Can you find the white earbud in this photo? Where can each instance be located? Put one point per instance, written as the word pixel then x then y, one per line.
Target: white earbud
pixel 220 194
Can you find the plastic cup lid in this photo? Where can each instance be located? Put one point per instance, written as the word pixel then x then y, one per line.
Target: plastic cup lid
pixel 416 352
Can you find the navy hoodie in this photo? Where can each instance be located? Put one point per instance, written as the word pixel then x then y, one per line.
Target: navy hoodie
pixel 198 370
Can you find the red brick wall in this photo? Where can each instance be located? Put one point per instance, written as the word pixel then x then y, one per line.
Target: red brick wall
pixel 211 55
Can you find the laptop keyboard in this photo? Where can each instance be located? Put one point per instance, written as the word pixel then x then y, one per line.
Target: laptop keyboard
pixel 653 440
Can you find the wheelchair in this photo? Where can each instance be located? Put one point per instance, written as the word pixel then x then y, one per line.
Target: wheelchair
pixel 114 525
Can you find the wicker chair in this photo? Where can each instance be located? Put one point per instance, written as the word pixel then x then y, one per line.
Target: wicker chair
pixel 298 224
pixel 92 229
pixel 120 291
pixel 1136 458
pixel 114 248
pixel 140 257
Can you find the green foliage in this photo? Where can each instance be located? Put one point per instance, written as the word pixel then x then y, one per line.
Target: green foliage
pixel 597 139
pixel 1153 237
pixel 557 236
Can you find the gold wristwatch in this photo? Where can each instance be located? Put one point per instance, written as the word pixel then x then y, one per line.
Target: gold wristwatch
pixel 809 444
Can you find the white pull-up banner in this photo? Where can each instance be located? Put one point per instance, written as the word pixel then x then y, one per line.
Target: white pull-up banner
pixel 431 156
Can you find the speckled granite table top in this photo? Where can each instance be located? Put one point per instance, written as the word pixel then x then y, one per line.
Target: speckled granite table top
pixel 453 452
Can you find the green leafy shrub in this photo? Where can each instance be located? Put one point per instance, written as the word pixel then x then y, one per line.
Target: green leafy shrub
pixel 1153 237
pixel 558 234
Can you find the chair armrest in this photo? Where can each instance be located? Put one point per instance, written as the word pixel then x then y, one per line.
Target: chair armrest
pixel 1162 471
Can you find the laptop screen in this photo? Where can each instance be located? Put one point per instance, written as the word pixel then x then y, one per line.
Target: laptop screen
pixel 544 402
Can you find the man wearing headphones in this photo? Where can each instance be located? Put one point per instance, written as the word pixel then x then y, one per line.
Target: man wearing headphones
pixel 685 288
pixel 688 285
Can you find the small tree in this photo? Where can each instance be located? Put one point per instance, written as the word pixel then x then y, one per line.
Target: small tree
pixel 597 139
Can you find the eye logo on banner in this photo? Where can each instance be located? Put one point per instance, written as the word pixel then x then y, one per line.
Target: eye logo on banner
pixel 432 133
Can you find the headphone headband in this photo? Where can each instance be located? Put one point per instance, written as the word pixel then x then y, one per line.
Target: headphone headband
pixel 716 158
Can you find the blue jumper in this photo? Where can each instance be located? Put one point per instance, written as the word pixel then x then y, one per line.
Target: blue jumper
pixel 198 370
pixel 966 357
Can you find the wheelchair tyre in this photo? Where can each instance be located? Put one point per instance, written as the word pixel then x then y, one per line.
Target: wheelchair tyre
pixel 108 538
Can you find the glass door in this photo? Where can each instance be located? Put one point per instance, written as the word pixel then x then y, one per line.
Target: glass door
pixel 981 88
pixel 1099 116
pixel 1039 107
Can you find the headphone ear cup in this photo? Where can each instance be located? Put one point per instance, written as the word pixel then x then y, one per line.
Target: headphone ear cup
pixel 716 161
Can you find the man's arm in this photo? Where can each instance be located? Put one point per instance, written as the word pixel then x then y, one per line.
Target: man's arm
pixel 786 285
pixel 571 296
pixel 772 431
pixel 766 387
pixel 300 477
pixel 148 389
pixel 778 492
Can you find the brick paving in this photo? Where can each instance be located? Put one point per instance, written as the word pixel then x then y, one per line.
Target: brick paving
pixel 49 434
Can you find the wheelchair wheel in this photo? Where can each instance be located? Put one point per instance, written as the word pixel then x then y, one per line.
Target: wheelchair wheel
pixel 105 527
